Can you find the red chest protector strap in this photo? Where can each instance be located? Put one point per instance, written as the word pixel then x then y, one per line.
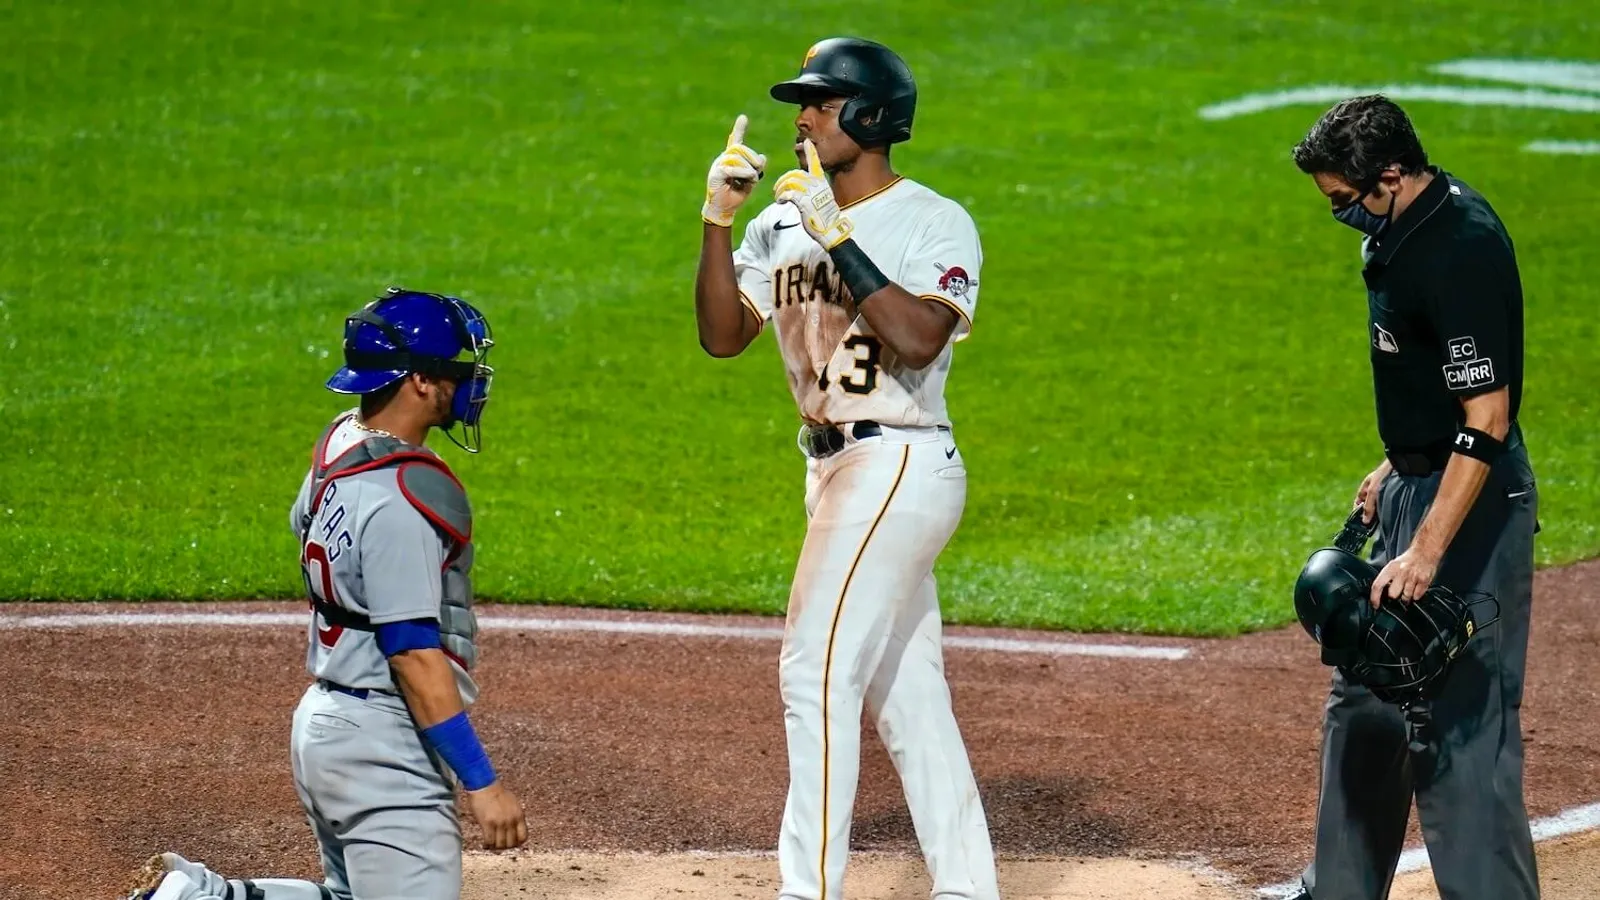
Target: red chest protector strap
pixel 424 480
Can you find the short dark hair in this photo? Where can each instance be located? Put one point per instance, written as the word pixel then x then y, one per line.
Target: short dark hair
pixel 373 402
pixel 1358 138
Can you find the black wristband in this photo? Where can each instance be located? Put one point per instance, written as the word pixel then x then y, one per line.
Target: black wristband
pixel 860 275
pixel 1480 445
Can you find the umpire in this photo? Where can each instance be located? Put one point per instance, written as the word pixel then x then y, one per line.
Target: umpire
pixel 1455 503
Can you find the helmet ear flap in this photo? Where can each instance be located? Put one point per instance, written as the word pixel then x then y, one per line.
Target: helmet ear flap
pixel 871 122
pixel 870 116
pixel 857 119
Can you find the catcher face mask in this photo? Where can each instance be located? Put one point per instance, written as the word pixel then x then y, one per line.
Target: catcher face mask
pixel 475 377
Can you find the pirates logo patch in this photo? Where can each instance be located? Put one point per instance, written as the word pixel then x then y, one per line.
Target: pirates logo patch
pixel 954 280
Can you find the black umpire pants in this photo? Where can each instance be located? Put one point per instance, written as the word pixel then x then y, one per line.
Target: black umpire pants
pixel 1469 794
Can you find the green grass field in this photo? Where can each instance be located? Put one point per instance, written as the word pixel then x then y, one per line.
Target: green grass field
pixel 1165 404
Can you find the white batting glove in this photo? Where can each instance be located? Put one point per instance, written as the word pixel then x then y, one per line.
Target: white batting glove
pixel 809 192
pixel 732 177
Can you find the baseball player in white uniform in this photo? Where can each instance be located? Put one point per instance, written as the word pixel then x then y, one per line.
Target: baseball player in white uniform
pixel 867 278
pixel 381 737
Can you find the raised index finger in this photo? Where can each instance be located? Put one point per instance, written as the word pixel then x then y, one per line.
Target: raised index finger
pixel 736 136
pixel 813 163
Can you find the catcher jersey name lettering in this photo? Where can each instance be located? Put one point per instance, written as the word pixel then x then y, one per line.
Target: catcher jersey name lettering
pixel 798 283
pixel 335 545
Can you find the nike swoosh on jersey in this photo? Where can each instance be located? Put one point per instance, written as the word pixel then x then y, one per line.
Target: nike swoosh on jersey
pixel 781 226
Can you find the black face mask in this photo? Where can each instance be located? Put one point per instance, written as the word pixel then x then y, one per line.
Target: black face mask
pixel 1364 220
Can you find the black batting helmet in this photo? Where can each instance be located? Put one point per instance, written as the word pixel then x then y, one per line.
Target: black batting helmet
pixel 1330 600
pixel 880 96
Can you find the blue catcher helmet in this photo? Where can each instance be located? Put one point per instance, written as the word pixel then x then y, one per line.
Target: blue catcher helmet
pixel 411 331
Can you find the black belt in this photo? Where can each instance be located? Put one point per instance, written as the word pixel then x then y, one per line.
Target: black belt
pixel 338 616
pixel 1422 461
pixel 358 693
pixel 823 441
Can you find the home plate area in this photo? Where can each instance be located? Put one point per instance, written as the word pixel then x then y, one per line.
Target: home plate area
pixel 1568 871
pixel 649 753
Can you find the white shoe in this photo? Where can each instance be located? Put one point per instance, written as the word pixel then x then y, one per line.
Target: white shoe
pixel 168 876
pixel 178 886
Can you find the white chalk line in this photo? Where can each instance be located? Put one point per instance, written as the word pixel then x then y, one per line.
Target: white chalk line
pixel 1563 824
pixel 596 626
pixel 1465 96
pixel 1578 76
pixel 1565 148
pixel 1578 85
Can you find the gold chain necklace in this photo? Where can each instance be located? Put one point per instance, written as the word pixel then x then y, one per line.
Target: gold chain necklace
pixel 370 430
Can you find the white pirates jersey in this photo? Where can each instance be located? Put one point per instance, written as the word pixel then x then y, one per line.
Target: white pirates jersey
pixel 839 371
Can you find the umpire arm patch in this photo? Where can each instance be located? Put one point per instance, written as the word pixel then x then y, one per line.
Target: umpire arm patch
pixel 1466 369
pixel 1463 376
pixel 438 496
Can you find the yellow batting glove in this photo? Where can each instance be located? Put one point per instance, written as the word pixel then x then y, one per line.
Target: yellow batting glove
pixel 809 192
pixel 733 176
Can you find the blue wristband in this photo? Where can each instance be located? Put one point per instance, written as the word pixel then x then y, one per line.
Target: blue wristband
pixel 456 743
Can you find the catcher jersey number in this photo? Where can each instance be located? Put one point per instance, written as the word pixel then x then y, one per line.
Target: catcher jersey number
pixel 862 378
pixel 317 567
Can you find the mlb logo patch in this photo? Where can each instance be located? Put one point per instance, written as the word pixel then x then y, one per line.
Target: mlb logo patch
pixel 1383 340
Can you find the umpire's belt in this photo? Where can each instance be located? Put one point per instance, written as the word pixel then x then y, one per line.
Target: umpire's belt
pixel 1419 461
pixel 1422 461
pixel 823 441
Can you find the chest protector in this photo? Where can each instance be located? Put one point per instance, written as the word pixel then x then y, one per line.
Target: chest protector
pixel 432 489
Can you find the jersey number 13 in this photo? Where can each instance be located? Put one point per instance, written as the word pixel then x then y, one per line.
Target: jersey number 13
pixel 862 378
